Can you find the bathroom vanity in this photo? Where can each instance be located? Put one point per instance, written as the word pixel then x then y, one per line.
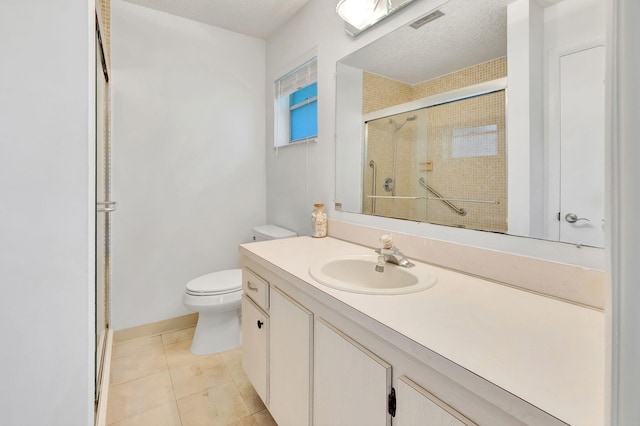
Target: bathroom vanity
pixel 465 351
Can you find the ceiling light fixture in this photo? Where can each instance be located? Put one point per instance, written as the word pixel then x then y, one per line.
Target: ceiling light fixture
pixel 362 14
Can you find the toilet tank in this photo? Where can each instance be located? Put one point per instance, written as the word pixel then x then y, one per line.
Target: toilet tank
pixel 271 232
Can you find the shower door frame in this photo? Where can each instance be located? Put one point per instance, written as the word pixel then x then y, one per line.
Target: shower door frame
pixel 104 206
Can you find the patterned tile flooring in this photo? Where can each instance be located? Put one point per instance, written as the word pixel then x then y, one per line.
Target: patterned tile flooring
pixel 157 381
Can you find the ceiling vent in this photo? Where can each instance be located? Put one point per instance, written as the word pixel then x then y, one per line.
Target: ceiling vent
pixel 426 19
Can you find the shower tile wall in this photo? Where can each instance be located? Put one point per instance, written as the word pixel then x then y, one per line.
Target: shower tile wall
pixel 473 177
pixel 480 73
pixel 379 92
pixel 478 177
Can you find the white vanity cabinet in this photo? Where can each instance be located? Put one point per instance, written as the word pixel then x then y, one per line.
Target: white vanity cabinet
pixel 277 349
pixel 353 386
pixel 418 406
pixel 351 383
pixel 318 361
pixel 255 331
pixel 290 360
pixel 255 343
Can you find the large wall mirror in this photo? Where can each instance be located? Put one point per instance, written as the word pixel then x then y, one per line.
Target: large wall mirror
pixel 485 115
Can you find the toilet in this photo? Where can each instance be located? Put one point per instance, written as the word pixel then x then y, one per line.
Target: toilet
pixel 217 298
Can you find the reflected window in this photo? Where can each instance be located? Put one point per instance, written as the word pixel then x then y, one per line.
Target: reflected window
pixel 471 142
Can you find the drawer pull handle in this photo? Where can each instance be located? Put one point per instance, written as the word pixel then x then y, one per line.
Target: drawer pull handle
pixel 251 286
pixel 260 324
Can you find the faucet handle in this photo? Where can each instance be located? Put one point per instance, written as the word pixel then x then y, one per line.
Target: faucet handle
pixel 387 241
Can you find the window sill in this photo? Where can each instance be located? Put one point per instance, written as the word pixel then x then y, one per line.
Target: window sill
pixel 300 142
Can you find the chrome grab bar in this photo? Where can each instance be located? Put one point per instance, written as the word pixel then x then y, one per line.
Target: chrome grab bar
pixel 410 197
pixel 373 165
pixel 438 197
pixel 460 211
pixel 396 197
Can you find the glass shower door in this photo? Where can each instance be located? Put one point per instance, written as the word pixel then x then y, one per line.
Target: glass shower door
pixel 104 206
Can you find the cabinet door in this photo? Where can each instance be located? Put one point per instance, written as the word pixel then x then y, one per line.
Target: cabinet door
pixel 417 406
pixel 351 383
pixel 255 338
pixel 290 360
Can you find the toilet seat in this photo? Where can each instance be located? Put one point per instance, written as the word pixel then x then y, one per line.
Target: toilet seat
pixel 216 283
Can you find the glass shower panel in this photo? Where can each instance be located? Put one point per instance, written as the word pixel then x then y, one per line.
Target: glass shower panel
pixel 445 164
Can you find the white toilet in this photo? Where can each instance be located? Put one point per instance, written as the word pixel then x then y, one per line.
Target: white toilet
pixel 217 297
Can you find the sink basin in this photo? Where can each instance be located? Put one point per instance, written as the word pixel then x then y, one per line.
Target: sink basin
pixel 358 274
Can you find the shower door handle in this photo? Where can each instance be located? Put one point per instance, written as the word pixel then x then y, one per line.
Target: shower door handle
pixel 106 206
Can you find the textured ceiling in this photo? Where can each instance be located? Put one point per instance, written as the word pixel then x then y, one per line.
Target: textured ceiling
pixel 470 32
pixel 257 18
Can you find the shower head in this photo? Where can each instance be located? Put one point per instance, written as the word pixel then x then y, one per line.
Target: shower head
pixel 399 126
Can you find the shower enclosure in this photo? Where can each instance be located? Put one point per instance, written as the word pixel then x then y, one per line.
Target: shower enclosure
pixel 443 164
pixel 103 209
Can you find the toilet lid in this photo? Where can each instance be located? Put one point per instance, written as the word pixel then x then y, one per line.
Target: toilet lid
pixel 272 232
pixel 220 282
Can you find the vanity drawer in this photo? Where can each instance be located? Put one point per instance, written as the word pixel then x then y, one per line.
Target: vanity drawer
pixel 256 288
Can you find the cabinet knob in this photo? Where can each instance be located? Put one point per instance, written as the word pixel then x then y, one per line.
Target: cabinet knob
pixel 260 324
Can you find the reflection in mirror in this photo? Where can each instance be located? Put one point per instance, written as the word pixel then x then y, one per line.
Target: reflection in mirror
pixel 423 118
pixel 443 164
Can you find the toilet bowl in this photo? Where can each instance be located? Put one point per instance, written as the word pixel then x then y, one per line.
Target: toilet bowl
pixel 217 298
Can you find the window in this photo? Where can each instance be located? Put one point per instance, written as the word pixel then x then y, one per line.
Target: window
pixel 303 117
pixel 475 142
pixel 296 106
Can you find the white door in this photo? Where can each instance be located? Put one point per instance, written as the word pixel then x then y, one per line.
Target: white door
pixel 351 384
pixel 582 84
pixel 290 360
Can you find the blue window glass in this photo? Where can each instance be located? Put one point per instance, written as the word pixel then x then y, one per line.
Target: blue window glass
pixel 303 106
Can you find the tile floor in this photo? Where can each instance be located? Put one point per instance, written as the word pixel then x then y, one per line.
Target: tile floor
pixel 157 381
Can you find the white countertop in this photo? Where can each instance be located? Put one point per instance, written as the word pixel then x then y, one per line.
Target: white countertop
pixel 547 352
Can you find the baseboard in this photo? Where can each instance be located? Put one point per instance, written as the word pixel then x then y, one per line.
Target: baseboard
pixel 155 328
pixel 101 410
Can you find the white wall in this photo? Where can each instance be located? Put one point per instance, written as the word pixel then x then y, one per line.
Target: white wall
pixel 46 212
pixel 349 138
pixel 524 110
pixel 300 175
pixel 623 236
pixel 188 156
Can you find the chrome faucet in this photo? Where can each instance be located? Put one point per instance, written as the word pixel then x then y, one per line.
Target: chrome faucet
pixel 390 254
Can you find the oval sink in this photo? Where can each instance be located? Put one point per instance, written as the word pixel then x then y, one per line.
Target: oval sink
pixel 358 274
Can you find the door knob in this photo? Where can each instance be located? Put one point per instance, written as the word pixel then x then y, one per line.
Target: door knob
pixel 260 324
pixel 573 218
